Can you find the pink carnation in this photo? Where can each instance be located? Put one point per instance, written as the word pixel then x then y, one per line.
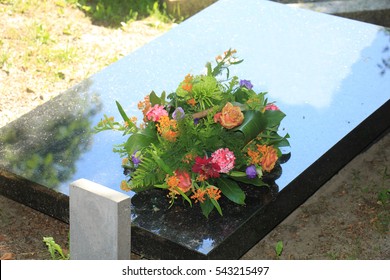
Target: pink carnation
pixel 156 112
pixel 224 158
pixel 271 107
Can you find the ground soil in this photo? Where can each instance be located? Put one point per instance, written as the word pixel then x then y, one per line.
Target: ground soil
pixel 348 218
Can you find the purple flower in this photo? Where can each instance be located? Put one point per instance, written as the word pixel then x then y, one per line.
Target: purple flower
pixel 135 158
pixel 251 172
pixel 196 121
pixel 178 114
pixel 246 83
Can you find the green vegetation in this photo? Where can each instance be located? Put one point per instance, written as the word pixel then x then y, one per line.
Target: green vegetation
pixel 279 249
pixel 54 249
pixel 115 12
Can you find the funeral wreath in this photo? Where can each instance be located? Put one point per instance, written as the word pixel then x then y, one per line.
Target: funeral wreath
pixel 201 141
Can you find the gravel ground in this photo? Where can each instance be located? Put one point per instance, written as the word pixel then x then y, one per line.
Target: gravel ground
pixel 348 218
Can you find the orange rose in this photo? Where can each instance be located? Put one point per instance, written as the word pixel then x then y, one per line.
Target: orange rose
pixel 230 116
pixel 269 158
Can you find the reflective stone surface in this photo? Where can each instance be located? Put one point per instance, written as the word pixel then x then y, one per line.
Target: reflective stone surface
pixel 328 74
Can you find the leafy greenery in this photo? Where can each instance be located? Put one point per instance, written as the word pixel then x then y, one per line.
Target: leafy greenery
pixel 55 250
pixel 115 12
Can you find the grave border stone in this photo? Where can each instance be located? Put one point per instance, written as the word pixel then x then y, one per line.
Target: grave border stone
pixel 99 222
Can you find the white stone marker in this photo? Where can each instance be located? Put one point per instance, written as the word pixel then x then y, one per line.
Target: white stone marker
pixel 99 222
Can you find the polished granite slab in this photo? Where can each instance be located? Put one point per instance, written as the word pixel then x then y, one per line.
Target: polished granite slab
pixel 329 75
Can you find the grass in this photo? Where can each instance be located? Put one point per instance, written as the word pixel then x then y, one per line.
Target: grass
pixel 49 54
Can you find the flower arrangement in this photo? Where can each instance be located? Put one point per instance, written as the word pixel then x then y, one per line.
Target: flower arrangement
pixel 202 140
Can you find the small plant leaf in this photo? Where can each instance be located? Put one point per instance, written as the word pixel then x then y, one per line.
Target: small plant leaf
pixel 279 248
pixel 207 206
pixel 231 190
pixel 122 112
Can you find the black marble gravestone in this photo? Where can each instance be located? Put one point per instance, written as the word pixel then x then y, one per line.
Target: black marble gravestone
pixel 329 75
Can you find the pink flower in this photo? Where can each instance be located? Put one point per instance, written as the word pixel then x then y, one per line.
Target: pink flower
pixel 271 107
pixel 224 158
pixel 156 112
pixel 184 180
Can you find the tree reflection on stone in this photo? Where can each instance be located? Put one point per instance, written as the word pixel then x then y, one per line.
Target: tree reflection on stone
pixel 45 144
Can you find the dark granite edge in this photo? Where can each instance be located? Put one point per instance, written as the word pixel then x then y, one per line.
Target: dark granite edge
pixel 152 246
pixel 305 185
pixel 36 196
pixel 244 238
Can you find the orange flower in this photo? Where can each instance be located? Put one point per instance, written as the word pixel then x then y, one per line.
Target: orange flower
pixel 187 87
pixel 188 78
pixel 201 178
pixel 125 186
pixel 180 180
pixel 167 128
pixel 191 102
pixel 231 116
pixel 188 158
pixel 255 156
pixel 214 193
pixel 172 181
pixel 266 156
pixel 145 106
pixel 198 196
pixel 269 158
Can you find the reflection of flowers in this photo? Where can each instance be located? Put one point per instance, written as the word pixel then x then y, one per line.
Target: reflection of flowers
pixel 201 140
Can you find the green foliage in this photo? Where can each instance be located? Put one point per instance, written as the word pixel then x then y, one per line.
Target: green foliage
pixel 279 249
pixel 55 250
pixel 147 173
pixel 114 12
pixel 231 190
